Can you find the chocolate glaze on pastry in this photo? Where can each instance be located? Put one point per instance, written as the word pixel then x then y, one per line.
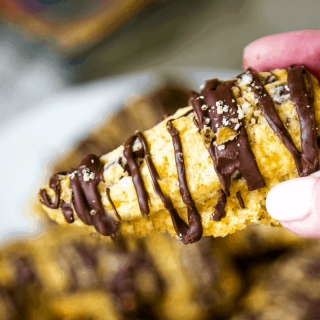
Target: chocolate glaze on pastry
pixel 215 108
pixel 236 154
pixel 307 160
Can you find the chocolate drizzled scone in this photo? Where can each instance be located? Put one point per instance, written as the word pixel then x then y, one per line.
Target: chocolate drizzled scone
pixel 289 289
pixel 66 274
pixel 207 169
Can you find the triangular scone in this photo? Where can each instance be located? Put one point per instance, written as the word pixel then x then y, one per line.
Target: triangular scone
pixel 207 169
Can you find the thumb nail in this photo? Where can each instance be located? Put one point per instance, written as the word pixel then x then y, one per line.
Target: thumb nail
pixel 291 200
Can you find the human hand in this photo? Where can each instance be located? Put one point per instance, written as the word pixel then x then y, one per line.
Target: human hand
pixel 284 49
pixel 296 202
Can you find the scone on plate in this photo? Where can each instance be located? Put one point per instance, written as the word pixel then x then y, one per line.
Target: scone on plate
pixel 206 170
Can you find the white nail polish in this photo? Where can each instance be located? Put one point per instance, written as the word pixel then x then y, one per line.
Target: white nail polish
pixel 291 200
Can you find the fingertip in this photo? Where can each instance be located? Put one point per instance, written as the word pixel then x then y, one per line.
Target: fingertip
pixel 291 200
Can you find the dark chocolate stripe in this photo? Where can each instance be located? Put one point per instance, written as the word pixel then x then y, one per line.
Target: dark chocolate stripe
pixel 54 184
pixel 240 200
pixel 67 211
pixel 136 177
pixel 112 204
pixel 86 198
pixel 272 117
pixel 220 206
pixel 304 105
pixel 194 232
pixel 237 154
pixel 186 234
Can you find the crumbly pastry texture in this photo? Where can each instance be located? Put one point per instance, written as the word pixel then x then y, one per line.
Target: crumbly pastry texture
pixel 231 154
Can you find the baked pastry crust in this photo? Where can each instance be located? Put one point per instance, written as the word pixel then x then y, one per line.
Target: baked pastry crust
pixel 220 176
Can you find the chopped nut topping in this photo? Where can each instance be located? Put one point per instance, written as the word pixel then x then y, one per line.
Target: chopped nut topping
pixel 253 121
pixel 207 120
pixel 204 107
pixel 280 94
pixel 225 108
pixel 240 113
pixel 219 109
pixel 219 103
pixel 237 126
pixel 246 79
pixel 72 174
pixel 225 122
pixel 93 212
pixel 221 147
pixel 207 136
pixel 225 134
pixel 87 175
pixel 137 145
pixel 234 120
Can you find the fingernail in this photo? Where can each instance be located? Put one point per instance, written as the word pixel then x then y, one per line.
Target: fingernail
pixel 291 200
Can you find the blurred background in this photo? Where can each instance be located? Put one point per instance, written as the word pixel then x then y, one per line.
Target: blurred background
pixel 46 45
pixel 65 64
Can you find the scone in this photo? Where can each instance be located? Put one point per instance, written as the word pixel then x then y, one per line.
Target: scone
pixel 66 274
pixel 289 289
pixel 206 170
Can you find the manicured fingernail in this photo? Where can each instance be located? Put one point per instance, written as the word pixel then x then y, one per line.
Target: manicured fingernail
pixel 291 200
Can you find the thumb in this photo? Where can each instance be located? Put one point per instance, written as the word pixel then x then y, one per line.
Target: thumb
pixel 296 203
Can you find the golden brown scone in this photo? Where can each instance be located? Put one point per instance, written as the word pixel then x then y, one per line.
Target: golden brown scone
pixel 216 161
pixel 289 289
pixel 66 274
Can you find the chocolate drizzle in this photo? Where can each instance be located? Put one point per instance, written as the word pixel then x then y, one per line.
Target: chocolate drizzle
pixel 84 181
pixel 307 160
pixel 194 232
pixel 237 154
pixel 305 110
pixel 240 200
pixel 186 234
pixel 86 198
pixel 215 108
pixel 220 206
pixel 136 177
pixel 67 211
pixel 112 204
pixel 54 185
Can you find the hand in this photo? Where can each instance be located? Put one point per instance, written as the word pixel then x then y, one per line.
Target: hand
pixel 284 49
pixel 296 203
